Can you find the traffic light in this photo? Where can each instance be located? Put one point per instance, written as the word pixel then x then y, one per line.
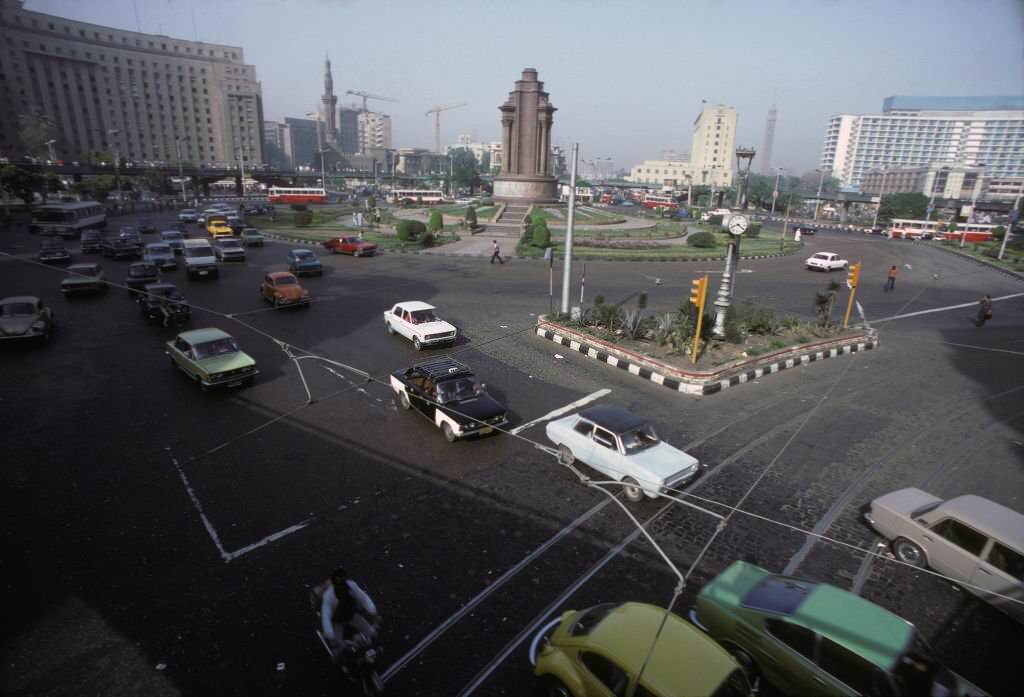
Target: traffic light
pixel 852 274
pixel 699 291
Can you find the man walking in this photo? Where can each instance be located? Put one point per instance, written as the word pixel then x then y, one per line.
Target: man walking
pixel 984 311
pixel 890 283
pixel 496 254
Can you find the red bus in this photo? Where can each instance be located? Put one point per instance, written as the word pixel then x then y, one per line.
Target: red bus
pixel 281 194
pixel 657 201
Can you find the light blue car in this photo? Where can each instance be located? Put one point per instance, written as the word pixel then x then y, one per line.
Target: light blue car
pixel 160 254
pixel 303 262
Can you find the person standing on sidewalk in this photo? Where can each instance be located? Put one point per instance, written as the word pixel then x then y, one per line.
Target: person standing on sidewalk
pixel 496 254
pixel 890 283
pixel 984 311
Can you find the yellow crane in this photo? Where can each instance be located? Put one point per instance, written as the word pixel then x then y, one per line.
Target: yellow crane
pixel 436 111
pixel 367 95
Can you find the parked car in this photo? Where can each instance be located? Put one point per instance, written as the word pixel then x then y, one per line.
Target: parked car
pixel 251 237
pixel 970 539
pixel 624 447
pixel 160 254
pixel 449 395
pixel 283 288
pixel 24 317
pixel 303 262
pixel 601 650
pixel 826 261
pixel 228 249
pixel 92 241
pixel 163 301
pixel 188 215
pixel 810 638
pixel 53 251
pixel 146 225
pixel 211 358
pixel 141 273
pixel 418 322
pixel 176 239
pixel 351 244
pixel 83 279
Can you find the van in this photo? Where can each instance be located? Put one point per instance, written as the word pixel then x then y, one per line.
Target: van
pixel 970 539
pixel 200 260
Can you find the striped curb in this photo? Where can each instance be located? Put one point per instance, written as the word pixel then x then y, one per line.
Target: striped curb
pixel 982 262
pixel 702 383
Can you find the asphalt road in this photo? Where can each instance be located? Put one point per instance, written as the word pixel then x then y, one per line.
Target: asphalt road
pixel 157 540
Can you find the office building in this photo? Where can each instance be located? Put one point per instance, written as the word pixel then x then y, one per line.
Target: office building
pixel 924 131
pixel 143 96
pixel 348 130
pixel 711 155
pixel 374 131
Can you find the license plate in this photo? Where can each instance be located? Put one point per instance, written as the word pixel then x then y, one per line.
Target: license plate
pixel 486 429
pixel 203 273
pixel 234 383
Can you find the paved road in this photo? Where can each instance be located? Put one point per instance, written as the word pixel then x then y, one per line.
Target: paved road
pixel 157 540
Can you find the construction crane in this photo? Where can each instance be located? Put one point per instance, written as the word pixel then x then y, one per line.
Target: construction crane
pixel 436 111
pixel 367 95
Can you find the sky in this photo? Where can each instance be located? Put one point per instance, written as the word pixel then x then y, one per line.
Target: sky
pixel 628 78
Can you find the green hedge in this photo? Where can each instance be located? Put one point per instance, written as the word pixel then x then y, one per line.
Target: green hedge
pixel 409 229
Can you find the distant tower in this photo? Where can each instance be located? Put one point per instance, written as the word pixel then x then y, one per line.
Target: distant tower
pixel 769 138
pixel 329 104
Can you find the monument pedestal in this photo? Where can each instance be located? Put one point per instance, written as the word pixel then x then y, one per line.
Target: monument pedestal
pixel 524 188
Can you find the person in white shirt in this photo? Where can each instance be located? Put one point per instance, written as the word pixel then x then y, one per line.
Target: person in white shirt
pixel 346 611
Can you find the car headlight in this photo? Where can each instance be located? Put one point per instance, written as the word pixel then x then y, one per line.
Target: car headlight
pixel 38 326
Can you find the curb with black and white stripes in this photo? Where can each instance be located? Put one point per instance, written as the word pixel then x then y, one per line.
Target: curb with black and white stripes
pixel 696 385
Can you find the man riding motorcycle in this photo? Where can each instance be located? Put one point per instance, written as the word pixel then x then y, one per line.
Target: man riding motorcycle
pixel 347 614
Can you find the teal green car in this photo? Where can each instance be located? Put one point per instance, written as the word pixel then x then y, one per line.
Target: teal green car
pixel 211 358
pixel 809 638
pixel 82 279
pixel 251 237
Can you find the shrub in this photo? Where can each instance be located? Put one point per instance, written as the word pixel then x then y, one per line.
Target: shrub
pixel 303 218
pixel 998 232
pixel 486 202
pixel 702 239
pixel 436 222
pixel 733 335
pixel 753 230
pixel 428 239
pixel 777 344
pixel 371 202
pixel 541 234
pixel 761 321
pixel 409 229
pixel 471 217
pixel 299 207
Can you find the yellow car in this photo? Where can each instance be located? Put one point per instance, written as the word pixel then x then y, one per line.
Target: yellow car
pixel 599 651
pixel 217 226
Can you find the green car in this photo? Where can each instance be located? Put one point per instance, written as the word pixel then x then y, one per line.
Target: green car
pixel 251 237
pixel 211 357
pixel 810 638
pixel 600 651
pixel 83 278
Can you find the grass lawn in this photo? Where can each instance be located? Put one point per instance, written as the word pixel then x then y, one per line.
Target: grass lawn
pixel 1013 259
pixel 663 252
pixel 384 240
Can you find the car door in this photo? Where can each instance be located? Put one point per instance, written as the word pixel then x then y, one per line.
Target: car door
pixel 849 673
pixel 601 676
pixel 398 321
pixel 953 548
pixel 422 393
pixel 605 456
pixel 268 288
pixel 1001 570
pixel 786 656
pixel 181 353
pixel 579 440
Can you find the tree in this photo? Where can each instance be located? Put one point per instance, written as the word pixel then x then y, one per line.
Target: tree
pixel 471 217
pixel 409 229
pixel 436 222
pixel 541 234
pixel 823 303
pixel 465 169
pixel 23 183
pixel 34 129
pixel 96 188
pixel 904 205
pixel 371 202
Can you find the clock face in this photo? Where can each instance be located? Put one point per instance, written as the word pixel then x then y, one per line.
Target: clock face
pixel 738 224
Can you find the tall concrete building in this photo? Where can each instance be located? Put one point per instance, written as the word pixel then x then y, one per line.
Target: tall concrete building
pixel 374 131
pixel 348 130
pixel 922 131
pixel 713 148
pixel 144 96
pixel 769 141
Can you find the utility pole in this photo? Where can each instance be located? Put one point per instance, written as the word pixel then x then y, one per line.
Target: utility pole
pixel 569 228
pixel 181 174
pixel 113 132
pixel 775 191
pixel 881 193
pixel 1014 217
pixel 817 200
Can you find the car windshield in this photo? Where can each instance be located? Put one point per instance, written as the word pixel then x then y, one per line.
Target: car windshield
pixel 171 235
pixel 141 270
pixel 83 270
pixel 229 244
pixel 52 244
pixel 458 389
pixel 421 316
pixel 587 620
pixel 778 594
pixel 159 249
pixel 639 438
pixel 303 256
pixel 217 347
pixel 285 281
pixel 17 309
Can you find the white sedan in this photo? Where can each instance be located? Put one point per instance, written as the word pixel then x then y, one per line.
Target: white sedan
pixel 624 447
pixel 418 322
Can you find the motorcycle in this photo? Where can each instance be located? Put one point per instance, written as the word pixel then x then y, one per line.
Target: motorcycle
pixel 356 659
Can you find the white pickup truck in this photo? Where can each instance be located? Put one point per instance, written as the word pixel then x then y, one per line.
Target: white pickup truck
pixel 826 261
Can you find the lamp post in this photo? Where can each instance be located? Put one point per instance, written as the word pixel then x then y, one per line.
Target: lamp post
pixel 1014 217
pixel 181 174
pixel 743 155
pixel 49 146
pixel 689 191
pixel 113 132
pixel 817 200
pixel 451 176
pixel 881 193
pixel 775 191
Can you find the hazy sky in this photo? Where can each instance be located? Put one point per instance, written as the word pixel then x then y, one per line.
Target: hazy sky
pixel 627 77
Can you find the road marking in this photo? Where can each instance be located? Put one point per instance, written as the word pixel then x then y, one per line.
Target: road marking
pixel 563 410
pixel 212 531
pixel 944 309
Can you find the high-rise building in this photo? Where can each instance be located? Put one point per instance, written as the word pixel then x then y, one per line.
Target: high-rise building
pixel 922 131
pixel 374 131
pixel 145 96
pixel 711 156
pixel 348 130
pixel 769 141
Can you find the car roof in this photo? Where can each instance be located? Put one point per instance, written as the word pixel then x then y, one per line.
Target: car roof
pixel 161 245
pixel 301 251
pixel 615 419
pixel 162 285
pixel 989 517
pixel 19 299
pixel 278 274
pixel 91 266
pixel 199 336
pixel 413 305
pixel 683 656
pixel 442 367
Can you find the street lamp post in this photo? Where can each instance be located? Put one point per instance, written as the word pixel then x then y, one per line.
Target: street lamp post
pixel 775 191
pixel 881 193
pixel 689 191
pixel 181 174
pixel 113 132
pixel 451 176
pixel 49 146
pixel 817 200
pixel 1014 217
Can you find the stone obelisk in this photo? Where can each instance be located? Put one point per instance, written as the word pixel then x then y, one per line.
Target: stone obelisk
pixel 526 119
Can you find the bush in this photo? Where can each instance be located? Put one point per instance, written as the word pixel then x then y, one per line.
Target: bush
pixel 753 230
pixel 702 239
pixel 409 229
pixel 715 221
pixel 762 321
pixel 371 202
pixel 733 335
pixel 299 207
pixel 436 223
pixel 303 218
pixel 998 232
pixel 428 239
pixel 541 234
pixel 471 217
pixel 486 202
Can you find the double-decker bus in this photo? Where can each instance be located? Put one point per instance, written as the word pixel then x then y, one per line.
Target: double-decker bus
pixel 659 201
pixel 283 194
pixel 416 196
pixel 68 219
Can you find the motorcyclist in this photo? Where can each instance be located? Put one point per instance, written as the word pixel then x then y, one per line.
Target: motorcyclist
pixel 347 614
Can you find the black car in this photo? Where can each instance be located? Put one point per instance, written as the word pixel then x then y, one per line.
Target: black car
pixel 92 241
pixel 163 301
pixel 805 229
pixel 53 252
pixel 146 225
pixel 446 392
pixel 140 274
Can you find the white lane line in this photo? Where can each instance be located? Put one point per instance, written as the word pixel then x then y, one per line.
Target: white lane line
pixel 212 531
pixel 564 410
pixel 945 309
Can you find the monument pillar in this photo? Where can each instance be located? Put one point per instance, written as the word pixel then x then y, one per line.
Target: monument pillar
pixel 526 120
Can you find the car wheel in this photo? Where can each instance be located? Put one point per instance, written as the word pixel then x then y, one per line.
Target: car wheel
pixel 416 343
pixel 550 686
pixel 277 301
pixel 449 432
pixel 747 663
pixel 909 553
pixel 391 330
pixel 632 490
pixel 565 456
pixel 403 399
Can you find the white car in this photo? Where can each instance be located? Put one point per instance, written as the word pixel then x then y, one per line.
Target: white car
pixel 418 322
pixel 624 447
pixel 826 261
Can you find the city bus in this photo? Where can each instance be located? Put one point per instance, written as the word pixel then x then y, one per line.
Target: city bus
pixel 902 228
pixel 969 232
pixel 659 201
pixel 416 195
pixel 68 219
pixel 283 194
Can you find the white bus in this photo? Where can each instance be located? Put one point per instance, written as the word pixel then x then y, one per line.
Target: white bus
pixel 68 219
pixel 416 196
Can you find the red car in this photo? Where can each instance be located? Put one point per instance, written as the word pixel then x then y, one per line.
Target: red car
pixel 351 245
